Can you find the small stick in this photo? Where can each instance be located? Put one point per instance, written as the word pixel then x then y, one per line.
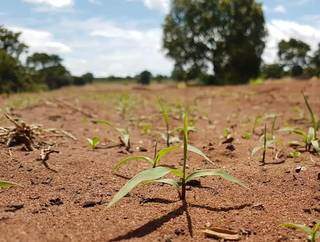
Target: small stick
pixel 44 157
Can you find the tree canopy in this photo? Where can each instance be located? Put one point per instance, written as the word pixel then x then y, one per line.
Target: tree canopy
pixel 224 38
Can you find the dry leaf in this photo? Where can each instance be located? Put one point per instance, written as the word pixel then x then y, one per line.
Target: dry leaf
pixel 220 233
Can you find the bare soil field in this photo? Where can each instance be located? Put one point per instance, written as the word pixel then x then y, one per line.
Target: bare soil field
pixel 64 198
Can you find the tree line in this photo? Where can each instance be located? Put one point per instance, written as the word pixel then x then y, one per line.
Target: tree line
pixel 213 41
pixel 22 72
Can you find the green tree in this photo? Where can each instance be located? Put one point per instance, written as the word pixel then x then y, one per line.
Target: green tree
pixel 10 43
pixel 315 62
pixel 84 79
pixel 272 70
pixel 14 77
pixel 145 78
pixel 224 38
pixel 293 55
pixel 50 69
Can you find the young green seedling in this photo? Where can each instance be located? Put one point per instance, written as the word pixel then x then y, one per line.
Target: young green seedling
pixel 165 116
pixel 267 142
pixel 94 142
pixel 125 103
pixel 157 174
pixel 309 139
pixel 124 135
pixel 312 233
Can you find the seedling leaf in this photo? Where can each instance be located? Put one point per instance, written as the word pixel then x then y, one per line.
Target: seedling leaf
pixel 315 144
pixel 215 172
pixel 161 153
pixel 300 227
pixel 6 184
pixel 94 142
pixel 144 176
pixel 168 181
pixel 197 151
pixel 124 161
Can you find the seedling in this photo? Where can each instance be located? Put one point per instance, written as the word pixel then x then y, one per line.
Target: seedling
pixel 124 135
pixel 226 133
pixel 125 103
pixel 257 121
pixel 157 174
pixel 164 109
pixel 267 142
pixel 294 154
pixel 308 139
pixel 94 142
pixel 312 233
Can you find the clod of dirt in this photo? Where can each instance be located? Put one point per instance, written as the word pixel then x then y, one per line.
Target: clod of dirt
pixel 55 202
pixel 231 147
pixel 14 207
pixel 228 140
pixel 91 204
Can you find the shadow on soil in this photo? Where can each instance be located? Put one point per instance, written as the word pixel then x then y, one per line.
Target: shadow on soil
pixel 158 222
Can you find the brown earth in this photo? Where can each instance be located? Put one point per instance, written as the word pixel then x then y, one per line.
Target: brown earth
pixel 70 204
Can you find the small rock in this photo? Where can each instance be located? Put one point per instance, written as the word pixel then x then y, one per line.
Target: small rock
pixel 55 202
pixel 91 204
pixel 231 147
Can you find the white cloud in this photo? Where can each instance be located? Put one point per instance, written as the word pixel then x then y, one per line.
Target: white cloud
pixel 109 48
pixel 280 9
pixel 41 41
pixel 284 30
pixel 160 5
pixel 96 2
pixel 51 3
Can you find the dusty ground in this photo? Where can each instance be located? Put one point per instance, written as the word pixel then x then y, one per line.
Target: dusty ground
pixel 69 205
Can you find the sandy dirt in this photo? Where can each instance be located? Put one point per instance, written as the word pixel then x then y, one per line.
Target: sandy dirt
pixel 70 204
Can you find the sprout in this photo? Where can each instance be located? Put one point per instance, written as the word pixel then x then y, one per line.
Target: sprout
pixel 94 142
pixel 157 174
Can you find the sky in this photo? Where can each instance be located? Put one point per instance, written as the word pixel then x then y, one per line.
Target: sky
pixel 124 37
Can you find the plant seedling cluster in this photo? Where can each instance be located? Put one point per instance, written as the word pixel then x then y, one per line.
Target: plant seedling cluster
pixel 158 174
pixel 124 135
pixel 309 139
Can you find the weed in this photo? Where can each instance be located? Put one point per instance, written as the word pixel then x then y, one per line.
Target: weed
pixel 94 142
pixel 308 139
pixel 157 174
pixel 312 233
pixel 124 135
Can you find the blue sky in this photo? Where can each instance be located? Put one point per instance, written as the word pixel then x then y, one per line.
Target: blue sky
pixel 123 37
